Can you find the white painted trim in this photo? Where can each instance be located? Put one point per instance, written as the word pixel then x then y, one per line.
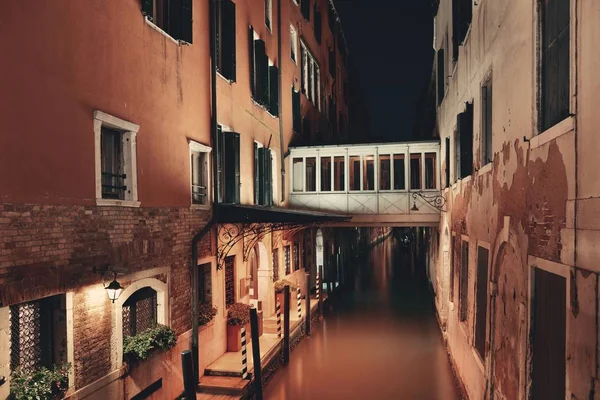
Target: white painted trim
pixel 115 123
pixel 70 337
pixel 117 203
pixel 199 147
pixel 5 351
pixel 159 30
pixel 162 314
pixel 485 169
pixel 567 125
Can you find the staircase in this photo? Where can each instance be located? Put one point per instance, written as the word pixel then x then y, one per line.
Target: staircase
pixel 223 385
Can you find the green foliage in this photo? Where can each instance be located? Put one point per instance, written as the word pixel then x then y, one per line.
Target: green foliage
pixel 238 314
pixel 141 345
pixel 44 383
pixel 281 284
pixel 206 313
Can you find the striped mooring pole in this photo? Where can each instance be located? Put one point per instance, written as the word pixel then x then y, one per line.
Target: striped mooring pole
pixel 299 298
pixel 318 282
pixel 244 355
pixel 278 309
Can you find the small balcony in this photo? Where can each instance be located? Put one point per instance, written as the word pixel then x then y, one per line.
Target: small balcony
pixel 384 183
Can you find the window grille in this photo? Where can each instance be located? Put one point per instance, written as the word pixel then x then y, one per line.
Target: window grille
pixel 229 281
pixel 296 256
pixel 275 265
pixel 287 260
pixel 139 312
pixel 113 178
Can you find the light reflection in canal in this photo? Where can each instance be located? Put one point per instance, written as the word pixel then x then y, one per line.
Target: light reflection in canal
pixel 381 342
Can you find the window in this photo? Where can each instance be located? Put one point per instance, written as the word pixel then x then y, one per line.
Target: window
pixel 275 265
pixel 452 272
pixel 430 181
pixel 293 44
pixel 339 170
pixel 305 9
pixel 464 144
pixel 140 312
pixel 311 76
pixel 259 65
pixel 116 159
pixel 415 171
pixel 447 162
pixel 174 17
pixel 296 111
pixel 287 260
pixel 325 174
pixel 462 14
pixel 37 334
pixel 226 48
pixel 298 174
pixel 263 176
pixel 318 24
pixel 200 162
pixel 228 164
pixel 463 284
pixel 268 13
pixel 296 256
pixel 311 174
pixel 384 172
pixel 487 154
pixel 555 16
pixel 399 172
pixel 229 281
pixel 354 172
pixel 441 76
pixel 369 173
pixel 205 283
pixel 252 274
pixel 481 299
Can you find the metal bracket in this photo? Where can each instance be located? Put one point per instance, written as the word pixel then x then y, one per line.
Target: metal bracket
pixel 436 201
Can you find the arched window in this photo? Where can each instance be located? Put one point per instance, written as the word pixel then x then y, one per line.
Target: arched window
pixel 251 273
pixel 140 311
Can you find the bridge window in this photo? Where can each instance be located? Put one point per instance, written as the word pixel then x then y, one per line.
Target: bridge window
pixel 311 174
pixel 399 172
pixel 369 173
pixel 384 172
pixel 298 173
pixel 415 171
pixel 430 171
pixel 326 174
pixel 339 171
pixel 354 172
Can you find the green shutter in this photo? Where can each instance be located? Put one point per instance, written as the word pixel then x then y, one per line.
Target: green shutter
pixel 269 178
pixel 305 9
pixel 228 48
pixel 297 125
pixel 256 174
pixel 260 173
pixel 231 147
pixel 251 61
pixel 273 90
pixel 465 129
pixel 220 163
pixel 236 163
pixel 262 72
pixel 186 21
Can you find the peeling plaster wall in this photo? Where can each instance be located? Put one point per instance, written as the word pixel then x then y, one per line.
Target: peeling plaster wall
pixel 545 182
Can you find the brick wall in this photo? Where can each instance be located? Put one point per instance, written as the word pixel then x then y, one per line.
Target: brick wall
pixel 50 249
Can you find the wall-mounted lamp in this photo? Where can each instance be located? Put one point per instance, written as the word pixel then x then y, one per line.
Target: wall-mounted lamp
pixel 114 288
pixel 435 200
pixel 2 380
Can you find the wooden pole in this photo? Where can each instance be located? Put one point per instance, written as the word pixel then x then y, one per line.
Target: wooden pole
pixel 187 366
pixel 307 312
pixel 258 387
pixel 286 324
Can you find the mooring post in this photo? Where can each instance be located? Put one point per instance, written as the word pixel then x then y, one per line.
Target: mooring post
pixel 187 366
pixel 258 386
pixel 278 310
pixel 299 301
pixel 286 324
pixel 244 353
pixel 307 312
pixel 319 289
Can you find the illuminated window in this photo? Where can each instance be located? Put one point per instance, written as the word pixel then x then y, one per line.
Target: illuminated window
pixel 311 174
pixel 399 172
pixel 339 170
pixel 384 172
pixel 298 174
pixel 325 174
pixel 430 181
pixel 415 171
pixel 354 172
pixel 369 173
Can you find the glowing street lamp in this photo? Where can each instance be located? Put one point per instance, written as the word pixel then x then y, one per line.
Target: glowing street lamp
pixel 114 289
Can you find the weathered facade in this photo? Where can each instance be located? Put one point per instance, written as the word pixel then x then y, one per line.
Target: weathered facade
pixel 516 275
pixel 107 167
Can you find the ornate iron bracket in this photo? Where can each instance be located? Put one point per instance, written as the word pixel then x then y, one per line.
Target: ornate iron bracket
pixel 229 235
pixel 436 201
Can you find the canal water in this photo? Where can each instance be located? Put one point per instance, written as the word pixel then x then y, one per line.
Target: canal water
pixel 380 340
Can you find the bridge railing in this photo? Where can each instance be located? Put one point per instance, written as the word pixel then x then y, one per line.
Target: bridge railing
pixel 366 178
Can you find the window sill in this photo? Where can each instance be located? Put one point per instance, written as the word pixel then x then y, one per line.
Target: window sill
pixel 117 203
pixel 229 81
pixel 480 363
pixel 485 169
pixel 565 126
pixel 256 103
pixel 204 207
pixel 162 32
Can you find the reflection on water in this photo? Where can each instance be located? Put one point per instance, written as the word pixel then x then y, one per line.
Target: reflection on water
pixel 382 341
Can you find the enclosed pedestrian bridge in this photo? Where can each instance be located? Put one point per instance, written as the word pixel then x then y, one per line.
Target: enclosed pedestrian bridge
pixel 393 184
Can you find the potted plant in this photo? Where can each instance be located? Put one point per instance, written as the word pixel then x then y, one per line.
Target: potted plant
pixel 43 383
pixel 238 315
pixel 206 313
pixel 142 345
pixel 279 288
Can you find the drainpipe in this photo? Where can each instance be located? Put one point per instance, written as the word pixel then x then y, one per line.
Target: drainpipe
pixel 216 190
pixel 280 94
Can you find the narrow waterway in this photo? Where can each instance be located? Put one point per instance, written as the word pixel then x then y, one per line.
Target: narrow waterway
pixel 380 341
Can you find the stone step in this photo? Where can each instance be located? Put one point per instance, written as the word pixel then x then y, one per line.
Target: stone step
pixel 234 386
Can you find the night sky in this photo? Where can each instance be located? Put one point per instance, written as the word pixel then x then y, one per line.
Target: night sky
pixel 390 43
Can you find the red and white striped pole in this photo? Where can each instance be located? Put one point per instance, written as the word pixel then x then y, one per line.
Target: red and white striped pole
pixel 299 298
pixel 278 309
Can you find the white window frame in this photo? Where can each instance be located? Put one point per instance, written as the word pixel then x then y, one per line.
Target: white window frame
pixel 197 148
pixel 294 44
pixel 129 138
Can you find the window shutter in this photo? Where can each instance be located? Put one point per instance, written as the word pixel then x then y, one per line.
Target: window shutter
pixel 220 161
pixel 148 9
pixel 251 61
pixel 318 25
pixel 261 73
pixel 186 21
pixel 232 167
pixel 273 90
pixel 455 29
pixel 441 79
pixel 447 162
pixel 268 178
pixel 236 163
pixel 218 38
pixel 465 128
pixel 260 176
pixel 303 60
pixel 296 111
pixel 305 9
pixel 256 174
pixel 228 62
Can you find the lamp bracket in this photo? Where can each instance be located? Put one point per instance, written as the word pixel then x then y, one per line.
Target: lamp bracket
pixel 436 201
